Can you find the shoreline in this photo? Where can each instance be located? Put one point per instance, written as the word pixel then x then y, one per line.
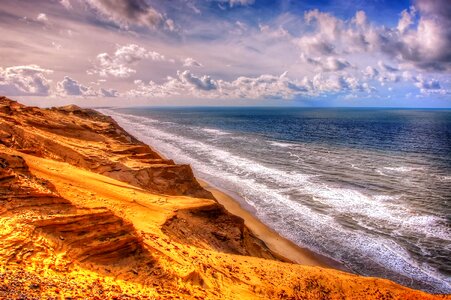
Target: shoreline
pixel 281 247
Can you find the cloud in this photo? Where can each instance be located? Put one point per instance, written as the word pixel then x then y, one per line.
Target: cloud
pixel 132 53
pixel 263 86
pixel 24 80
pixel 201 83
pixel 238 2
pixel 260 87
pixel 170 25
pixel 280 32
pixel 431 42
pixel 328 64
pixel 370 72
pixel 239 55
pixel 42 18
pixel 331 36
pixel 71 87
pixel 321 84
pixel 118 63
pixel 108 92
pixel 66 4
pixel 425 84
pixel 424 43
pixel 191 62
pixel 386 67
pixel 430 86
pixel 322 41
pixel 406 20
pixel 388 77
pixel 360 18
pixel 126 13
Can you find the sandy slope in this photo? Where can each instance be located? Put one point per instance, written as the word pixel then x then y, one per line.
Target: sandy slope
pixel 87 211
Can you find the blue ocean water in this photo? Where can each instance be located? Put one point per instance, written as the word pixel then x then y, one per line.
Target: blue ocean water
pixel 370 188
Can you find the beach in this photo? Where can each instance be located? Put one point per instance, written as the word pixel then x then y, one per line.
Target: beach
pixel 89 211
pixel 281 247
pixel 344 192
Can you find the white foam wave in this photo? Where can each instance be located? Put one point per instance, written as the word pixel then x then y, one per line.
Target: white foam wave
pixel 282 145
pixel 215 131
pixel 402 169
pixel 265 189
pixel 444 178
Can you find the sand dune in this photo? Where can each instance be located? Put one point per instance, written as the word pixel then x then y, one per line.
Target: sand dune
pixel 88 211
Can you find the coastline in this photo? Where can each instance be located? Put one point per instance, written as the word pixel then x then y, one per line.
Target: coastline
pixel 281 247
pixel 139 226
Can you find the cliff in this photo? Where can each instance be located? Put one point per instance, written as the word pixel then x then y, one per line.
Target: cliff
pixel 88 211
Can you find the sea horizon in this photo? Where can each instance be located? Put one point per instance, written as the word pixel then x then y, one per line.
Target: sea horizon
pixel 269 106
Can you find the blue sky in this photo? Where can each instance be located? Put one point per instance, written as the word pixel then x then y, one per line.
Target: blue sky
pixel 227 52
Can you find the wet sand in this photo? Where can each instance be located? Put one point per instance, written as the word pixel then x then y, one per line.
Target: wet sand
pixel 283 248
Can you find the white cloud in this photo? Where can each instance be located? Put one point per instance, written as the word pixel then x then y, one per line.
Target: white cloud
pixel 263 86
pixel 320 84
pixel 322 41
pixel 406 20
pixel 238 2
pixel 132 53
pixel 42 18
pixel 66 4
pixel 198 83
pixel 280 32
pixel 108 92
pixel 430 86
pixel 387 77
pixel 191 62
pixel 424 44
pixel 370 72
pixel 71 87
pixel 24 80
pixel 328 64
pixel 360 18
pixel 424 84
pixel 118 63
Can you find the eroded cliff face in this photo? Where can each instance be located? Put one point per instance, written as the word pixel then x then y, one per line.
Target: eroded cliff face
pixel 87 211
pixel 90 140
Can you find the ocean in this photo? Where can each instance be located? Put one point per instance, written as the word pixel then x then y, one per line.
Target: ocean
pixel 369 188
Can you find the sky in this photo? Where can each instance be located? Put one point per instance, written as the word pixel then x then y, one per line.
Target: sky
pixel 376 53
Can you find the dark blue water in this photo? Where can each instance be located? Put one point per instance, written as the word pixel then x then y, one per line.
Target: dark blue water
pixel 370 188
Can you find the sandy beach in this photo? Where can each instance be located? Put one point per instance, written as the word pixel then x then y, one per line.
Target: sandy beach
pixel 283 248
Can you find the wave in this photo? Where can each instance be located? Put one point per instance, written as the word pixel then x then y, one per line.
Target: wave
pixel 215 131
pixel 403 169
pixel 282 145
pixel 268 191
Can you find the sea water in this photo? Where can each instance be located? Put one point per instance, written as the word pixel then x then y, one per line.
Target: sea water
pixel 370 188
